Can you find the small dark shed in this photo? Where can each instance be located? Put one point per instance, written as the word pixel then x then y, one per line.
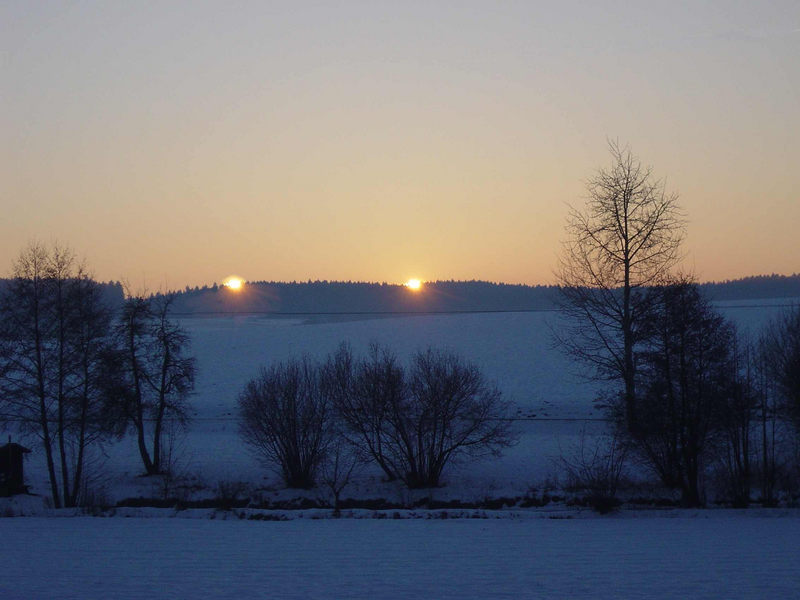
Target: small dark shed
pixel 12 479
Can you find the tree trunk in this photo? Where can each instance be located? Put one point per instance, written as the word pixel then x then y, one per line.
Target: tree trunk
pixel 627 340
pixel 143 452
pixel 51 466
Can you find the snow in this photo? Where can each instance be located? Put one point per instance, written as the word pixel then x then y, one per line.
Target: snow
pixel 533 553
pixel 515 350
pixel 712 554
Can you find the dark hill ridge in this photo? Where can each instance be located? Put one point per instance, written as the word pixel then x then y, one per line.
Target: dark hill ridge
pixel 754 288
pixel 324 297
pixel 335 297
pixel 347 297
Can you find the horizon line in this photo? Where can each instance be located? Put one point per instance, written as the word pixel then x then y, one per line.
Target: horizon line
pixel 436 281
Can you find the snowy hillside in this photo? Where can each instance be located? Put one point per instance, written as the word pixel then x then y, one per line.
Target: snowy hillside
pixel 513 349
pixel 550 552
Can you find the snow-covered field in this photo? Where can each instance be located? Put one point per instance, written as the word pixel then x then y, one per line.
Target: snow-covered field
pixel 691 555
pixel 513 349
pixel 514 553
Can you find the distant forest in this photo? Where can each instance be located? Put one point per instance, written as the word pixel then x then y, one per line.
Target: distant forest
pixel 333 297
pixel 315 297
pixel 113 291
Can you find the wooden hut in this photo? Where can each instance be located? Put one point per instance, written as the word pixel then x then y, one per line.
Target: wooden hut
pixel 12 477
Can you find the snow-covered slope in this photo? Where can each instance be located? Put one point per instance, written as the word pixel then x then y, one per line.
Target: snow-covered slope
pixel 513 349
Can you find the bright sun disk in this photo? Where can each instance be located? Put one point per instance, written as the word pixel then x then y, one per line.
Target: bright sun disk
pixel 233 283
pixel 414 284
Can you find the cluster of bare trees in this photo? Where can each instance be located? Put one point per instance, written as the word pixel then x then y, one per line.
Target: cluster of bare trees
pixel 53 344
pixel 713 400
pixel 688 388
pixel 320 419
pixel 691 393
pixel 74 373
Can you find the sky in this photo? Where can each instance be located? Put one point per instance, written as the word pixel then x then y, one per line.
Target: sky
pixel 177 143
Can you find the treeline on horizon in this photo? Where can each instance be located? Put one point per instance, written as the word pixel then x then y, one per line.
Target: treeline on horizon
pixel 316 297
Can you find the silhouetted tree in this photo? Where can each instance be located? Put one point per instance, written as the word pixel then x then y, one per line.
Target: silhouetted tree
pixel 285 419
pixel 780 348
pixel 779 354
pixel 686 380
pixel 625 239
pixel 54 333
pixel 770 414
pixel 738 430
pixel 451 411
pixel 338 466
pixel 414 423
pixel 364 394
pixel 157 374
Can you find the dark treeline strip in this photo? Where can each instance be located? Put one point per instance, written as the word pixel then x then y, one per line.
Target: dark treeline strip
pixel 328 297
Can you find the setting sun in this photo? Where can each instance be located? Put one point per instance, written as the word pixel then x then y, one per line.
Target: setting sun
pixel 413 284
pixel 233 283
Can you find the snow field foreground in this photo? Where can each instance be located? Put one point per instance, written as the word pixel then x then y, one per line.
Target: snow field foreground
pixel 729 555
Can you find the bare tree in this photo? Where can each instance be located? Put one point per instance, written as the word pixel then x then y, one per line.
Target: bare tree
pixel 413 423
pixel 769 414
pixel 340 463
pixel 285 420
pixel 688 378
pixel 779 371
pixel 158 376
pixel 626 238
pixel 363 394
pixel 780 347
pixel 55 325
pixel 452 411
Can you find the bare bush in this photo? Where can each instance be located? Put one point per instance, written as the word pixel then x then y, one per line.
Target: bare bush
pixel 228 494
pixel 414 422
pixel 596 468
pixel 342 461
pixel 285 419
pixel 363 393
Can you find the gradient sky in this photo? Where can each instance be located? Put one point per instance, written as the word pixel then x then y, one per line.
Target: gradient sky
pixel 174 143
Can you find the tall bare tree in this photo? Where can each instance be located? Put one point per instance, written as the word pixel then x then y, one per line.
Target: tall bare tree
pixel 625 238
pixel 158 374
pixel 54 333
